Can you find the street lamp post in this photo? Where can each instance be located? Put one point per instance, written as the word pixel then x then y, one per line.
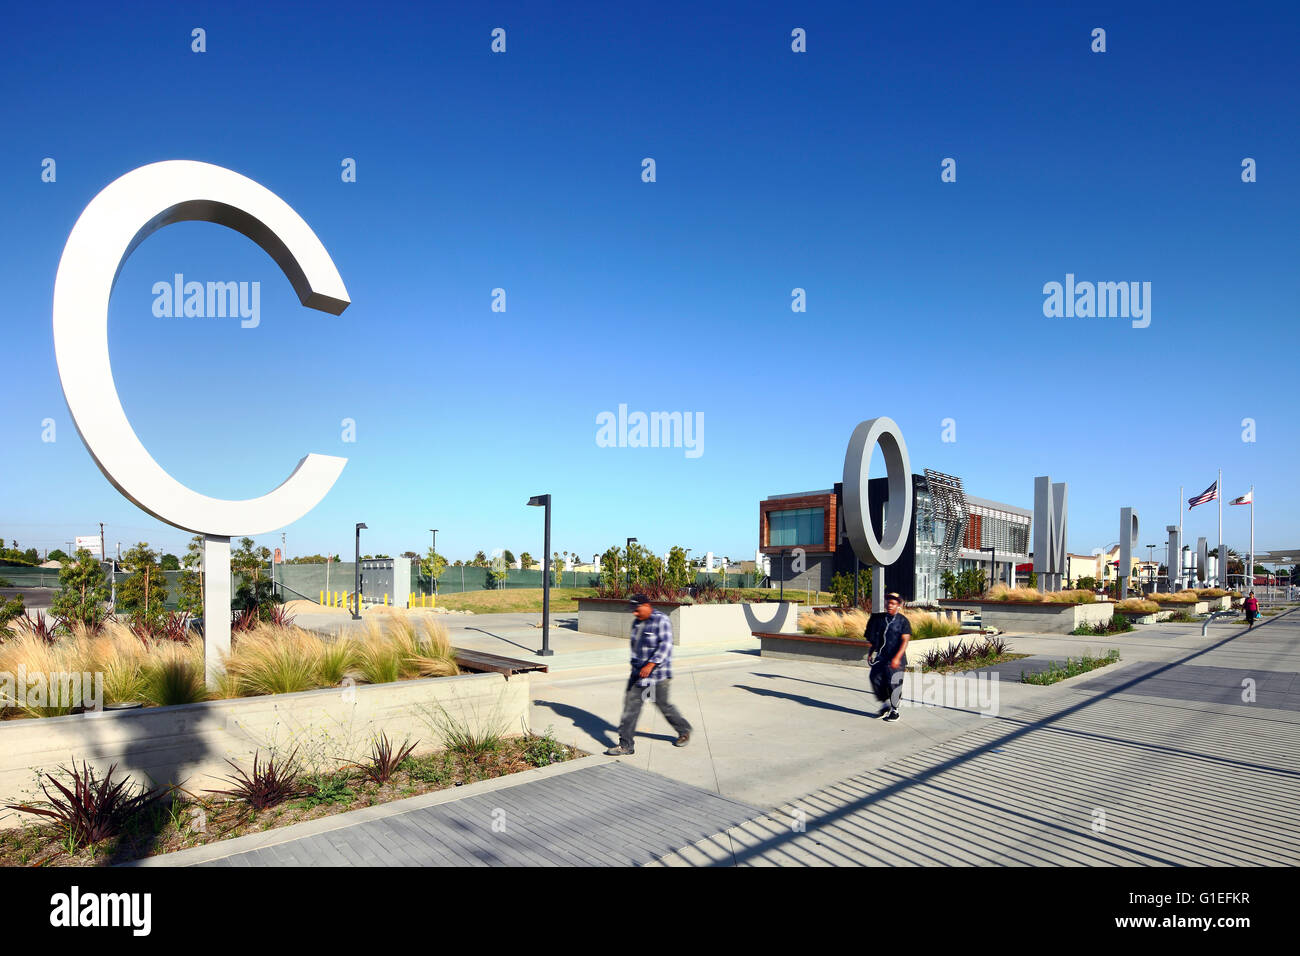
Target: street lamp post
pixel 544 501
pixel 1151 567
pixel 356 567
pixel 782 597
pixel 993 565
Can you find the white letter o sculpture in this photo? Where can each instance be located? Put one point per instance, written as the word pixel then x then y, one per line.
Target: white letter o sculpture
pixel 121 217
pixel 898 510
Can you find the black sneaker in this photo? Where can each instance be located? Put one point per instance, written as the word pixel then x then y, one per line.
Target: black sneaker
pixel 892 715
pixel 884 710
pixel 619 751
pixel 683 740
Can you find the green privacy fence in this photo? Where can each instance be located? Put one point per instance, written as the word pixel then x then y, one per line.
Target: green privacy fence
pixel 309 580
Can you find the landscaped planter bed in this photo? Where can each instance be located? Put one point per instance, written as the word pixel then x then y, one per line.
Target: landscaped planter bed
pixel 692 623
pixel 1034 617
pixel 189 744
pixel 197 820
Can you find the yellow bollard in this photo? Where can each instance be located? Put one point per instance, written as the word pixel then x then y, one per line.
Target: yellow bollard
pixel 322 598
pixel 385 599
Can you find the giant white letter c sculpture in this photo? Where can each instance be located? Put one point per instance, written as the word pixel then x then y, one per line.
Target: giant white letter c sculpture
pixel 117 220
pixel 877 552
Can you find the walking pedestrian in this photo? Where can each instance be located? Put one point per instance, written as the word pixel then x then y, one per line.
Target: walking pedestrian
pixel 888 635
pixel 652 672
pixel 1252 610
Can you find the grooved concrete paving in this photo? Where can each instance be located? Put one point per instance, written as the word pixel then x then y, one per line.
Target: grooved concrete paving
pixel 1144 764
pixel 610 814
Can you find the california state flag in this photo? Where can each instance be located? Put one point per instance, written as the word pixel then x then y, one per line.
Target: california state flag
pixel 1244 499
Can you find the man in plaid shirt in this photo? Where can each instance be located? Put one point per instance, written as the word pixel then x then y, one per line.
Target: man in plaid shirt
pixel 652 672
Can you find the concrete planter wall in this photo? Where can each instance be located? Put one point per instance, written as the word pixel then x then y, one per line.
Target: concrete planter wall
pixel 1200 607
pixel 836 650
pixel 1029 617
pixel 692 623
pixel 189 744
pixel 1153 618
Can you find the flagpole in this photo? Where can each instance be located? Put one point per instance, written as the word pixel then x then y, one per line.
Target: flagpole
pixel 1223 563
pixel 1179 555
pixel 1252 538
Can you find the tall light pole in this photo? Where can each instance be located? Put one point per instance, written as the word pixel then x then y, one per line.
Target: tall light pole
pixel 544 501
pixel 433 582
pixel 1151 565
pixel 630 542
pixel 356 607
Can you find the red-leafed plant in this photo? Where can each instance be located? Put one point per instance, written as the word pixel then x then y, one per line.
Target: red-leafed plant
pixel 384 760
pixel 92 809
pixel 268 784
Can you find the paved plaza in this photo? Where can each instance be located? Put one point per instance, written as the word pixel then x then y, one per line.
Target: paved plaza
pixel 1187 752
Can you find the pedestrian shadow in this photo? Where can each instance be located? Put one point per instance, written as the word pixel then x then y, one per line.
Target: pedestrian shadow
pixel 595 726
pixel 806 701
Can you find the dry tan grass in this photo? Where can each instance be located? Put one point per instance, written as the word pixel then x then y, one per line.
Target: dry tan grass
pixel 1136 605
pixel 265 660
pixel 1181 597
pixel 853 624
pixel 1000 592
pixel 835 623
pixel 1209 593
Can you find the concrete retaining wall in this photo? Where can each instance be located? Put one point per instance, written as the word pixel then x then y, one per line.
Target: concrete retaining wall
pixel 1200 607
pixel 693 623
pixel 189 744
pixel 1043 618
pixel 840 650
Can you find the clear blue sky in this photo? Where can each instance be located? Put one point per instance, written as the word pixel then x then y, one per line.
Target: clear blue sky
pixel 775 170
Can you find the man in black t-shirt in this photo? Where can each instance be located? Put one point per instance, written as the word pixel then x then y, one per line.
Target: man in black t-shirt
pixel 888 635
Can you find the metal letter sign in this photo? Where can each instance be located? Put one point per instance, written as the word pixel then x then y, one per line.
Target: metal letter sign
pixel 1128 542
pixel 1051 505
pixel 122 216
pixel 874 551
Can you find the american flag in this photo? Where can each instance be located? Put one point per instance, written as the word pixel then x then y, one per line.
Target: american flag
pixel 1209 494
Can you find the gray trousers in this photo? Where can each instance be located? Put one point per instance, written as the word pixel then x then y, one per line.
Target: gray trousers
pixel 633 699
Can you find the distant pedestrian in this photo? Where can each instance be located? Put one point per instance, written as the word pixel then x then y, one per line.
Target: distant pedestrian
pixel 652 672
pixel 1252 610
pixel 888 635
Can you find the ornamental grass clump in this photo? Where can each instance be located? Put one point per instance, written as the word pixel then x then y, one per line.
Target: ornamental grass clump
pixel 402 648
pixel 174 674
pixel 1000 592
pixel 927 624
pixel 274 660
pixel 1180 597
pixel 1136 605
pixel 835 623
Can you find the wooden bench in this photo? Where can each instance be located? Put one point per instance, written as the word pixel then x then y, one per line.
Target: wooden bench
pixel 480 662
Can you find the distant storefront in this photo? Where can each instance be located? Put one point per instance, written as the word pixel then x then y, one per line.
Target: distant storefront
pixel 803 535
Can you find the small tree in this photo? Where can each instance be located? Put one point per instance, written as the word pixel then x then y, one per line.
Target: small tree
pixel 679 572
pixel 255 589
pixel 191 582
pixel 57 555
pixel 145 589
pixel 432 565
pixel 170 562
pixel 527 562
pixel 9 609
pixel 611 568
pixel 509 557
pixel 83 590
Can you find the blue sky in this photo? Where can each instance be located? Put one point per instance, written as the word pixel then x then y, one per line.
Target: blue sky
pixel 775 170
